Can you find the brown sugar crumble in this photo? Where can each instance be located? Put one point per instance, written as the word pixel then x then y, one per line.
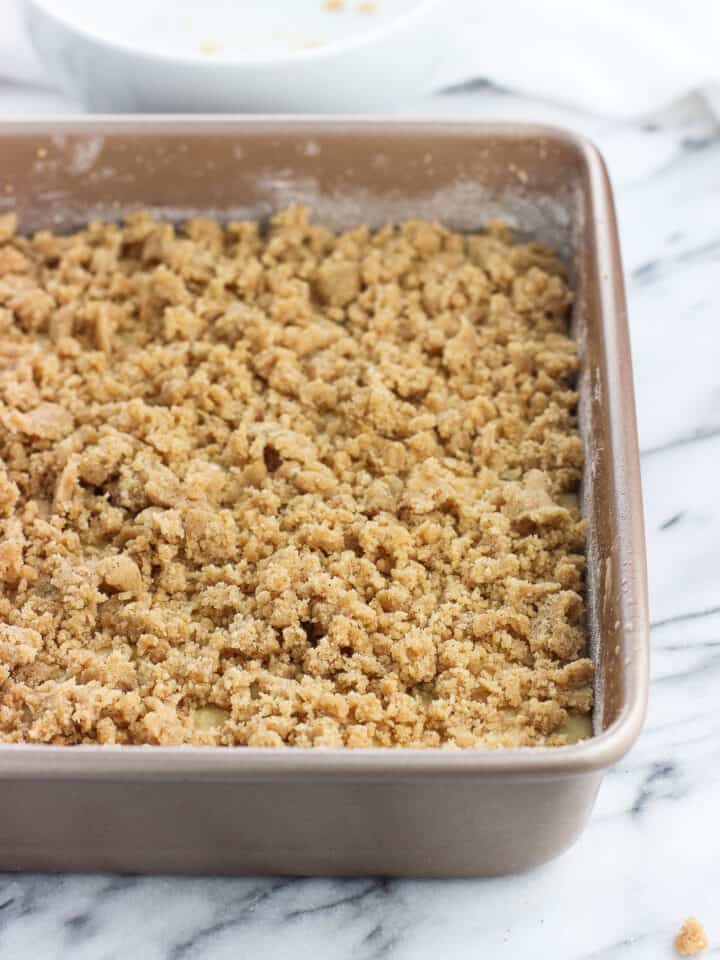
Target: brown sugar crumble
pixel 691 938
pixel 265 487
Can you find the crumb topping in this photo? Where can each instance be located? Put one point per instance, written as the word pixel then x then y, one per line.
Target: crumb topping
pixel 691 938
pixel 288 487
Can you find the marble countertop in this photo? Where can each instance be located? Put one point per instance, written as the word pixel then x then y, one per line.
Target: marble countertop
pixel 651 854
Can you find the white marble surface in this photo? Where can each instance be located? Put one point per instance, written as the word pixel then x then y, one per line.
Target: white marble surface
pixel 651 854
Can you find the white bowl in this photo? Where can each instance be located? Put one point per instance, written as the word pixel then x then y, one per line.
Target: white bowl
pixel 229 56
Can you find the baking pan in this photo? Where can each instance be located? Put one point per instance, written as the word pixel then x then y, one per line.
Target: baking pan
pixel 428 812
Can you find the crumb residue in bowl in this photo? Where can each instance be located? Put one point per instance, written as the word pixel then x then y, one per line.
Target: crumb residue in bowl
pixel 288 487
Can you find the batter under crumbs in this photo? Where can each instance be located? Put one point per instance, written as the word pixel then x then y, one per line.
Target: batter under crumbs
pixel 288 487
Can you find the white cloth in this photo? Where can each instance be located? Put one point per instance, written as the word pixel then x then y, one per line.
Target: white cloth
pixel 17 57
pixel 611 57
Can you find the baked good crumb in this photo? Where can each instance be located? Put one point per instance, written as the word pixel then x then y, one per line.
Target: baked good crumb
pixel 334 5
pixel 366 7
pixel 265 487
pixel 691 938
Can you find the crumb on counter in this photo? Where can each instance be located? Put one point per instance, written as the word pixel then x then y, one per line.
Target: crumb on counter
pixel 691 938
pixel 334 5
pixel 282 486
pixel 366 7
pixel 210 48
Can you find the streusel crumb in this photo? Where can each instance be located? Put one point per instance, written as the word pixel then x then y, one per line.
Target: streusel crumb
pixel 691 938
pixel 288 487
